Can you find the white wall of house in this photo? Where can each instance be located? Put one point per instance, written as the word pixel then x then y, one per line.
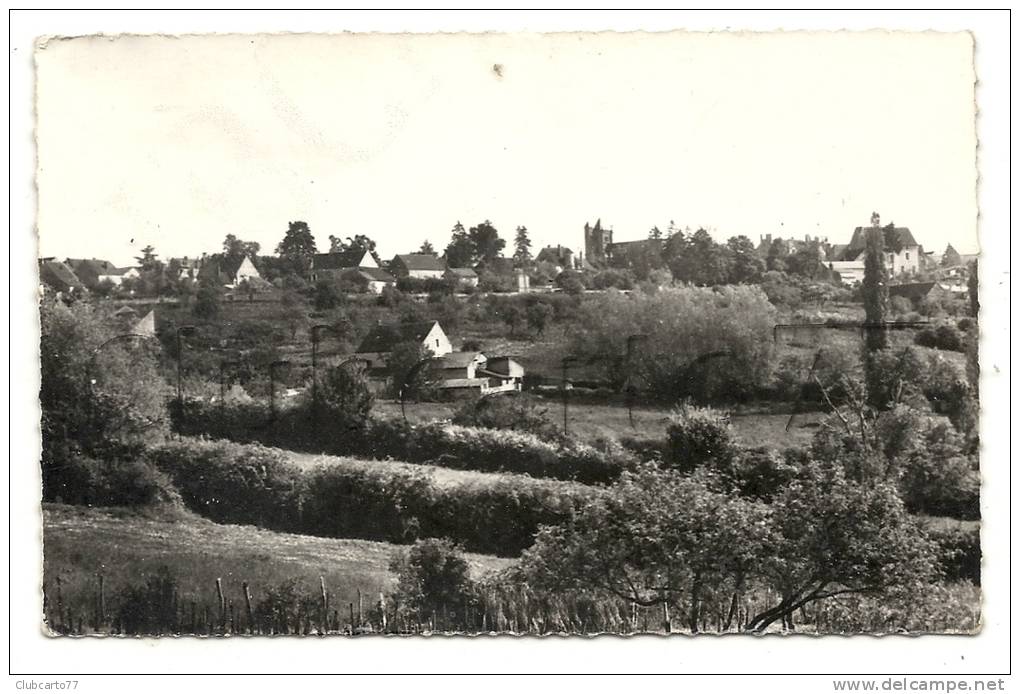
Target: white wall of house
pixel 246 271
pixel 907 260
pixel 376 286
pixel 426 274
pixel 850 271
pixel 437 341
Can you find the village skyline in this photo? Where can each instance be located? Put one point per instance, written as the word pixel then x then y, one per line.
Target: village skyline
pixel 194 138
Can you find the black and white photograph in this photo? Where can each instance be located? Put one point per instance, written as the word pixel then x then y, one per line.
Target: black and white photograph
pixel 360 334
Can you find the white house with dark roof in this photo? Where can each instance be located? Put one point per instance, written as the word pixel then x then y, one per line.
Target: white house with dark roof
pixel 903 254
pixel 353 261
pixel 377 346
pixel 417 265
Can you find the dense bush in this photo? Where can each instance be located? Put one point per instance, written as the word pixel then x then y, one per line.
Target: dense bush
pixel 946 337
pixel 436 443
pixel 232 483
pixel 433 578
pixel 959 548
pixel 613 278
pixel 697 436
pixel 511 412
pixel 124 479
pixel 702 343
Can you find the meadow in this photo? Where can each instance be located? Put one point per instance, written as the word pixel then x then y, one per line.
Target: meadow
pixel 127 546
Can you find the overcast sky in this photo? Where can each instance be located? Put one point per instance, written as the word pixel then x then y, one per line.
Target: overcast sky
pixel 176 142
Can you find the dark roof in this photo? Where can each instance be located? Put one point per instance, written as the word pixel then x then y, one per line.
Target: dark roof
pixel 895 238
pixel 558 255
pixel 461 272
pixel 420 261
pixel 457 360
pixel 912 290
pixel 376 274
pixel 94 265
pixel 58 275
pixel 352 257
pixel 383 338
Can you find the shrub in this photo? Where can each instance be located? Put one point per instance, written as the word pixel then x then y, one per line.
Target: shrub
pixel 698 435
pixel 433 578
pixel 233 483
pixel 759 473
pixel 345 398
pixel 942 486
pixel 116 481
pixel 948 338
pixel 149 608
pixel 900 305
pixel 959 548
pixel 615 278
pixel 965 325
pixel 701 342
pixel 511 412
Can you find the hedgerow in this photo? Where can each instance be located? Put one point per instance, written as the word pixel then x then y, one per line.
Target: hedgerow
pixel 252 484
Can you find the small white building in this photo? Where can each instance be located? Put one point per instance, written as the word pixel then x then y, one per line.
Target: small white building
pixel 377 346
pixel 420 266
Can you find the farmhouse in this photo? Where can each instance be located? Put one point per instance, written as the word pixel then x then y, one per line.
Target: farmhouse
pixel 417 265
pixel 58 277
pixel 903 254
pixel 355 261
pixel 471 373
pixel 560 256
pixel 93 271
pixel 464 276
pixel 377 346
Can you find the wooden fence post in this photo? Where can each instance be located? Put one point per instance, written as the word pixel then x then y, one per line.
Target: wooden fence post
pixel 665 616
pixel 351 605
pixel 223 604
pixel 382 609
pixel 247 606
pixel 102 600
pixel 325 605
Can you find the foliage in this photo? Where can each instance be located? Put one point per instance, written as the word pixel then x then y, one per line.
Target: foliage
pixel 208 297
pixel 697 259
pixel 485 242
pixel 407 371
pixel 835 537
pixel 149 608
pixel 522 247
pixel 615 278
pixel 96 387
pixel 433 578
pixel 655 538
pixel 697 436
pixel 460 252
pixel 875 290
pixel 297 248
pixel 701 343
pixel 959 548
pixel 119 478
pixel 327 295
pixel 571 282
pixel 510 412
pixel 345 398
pixel 746 265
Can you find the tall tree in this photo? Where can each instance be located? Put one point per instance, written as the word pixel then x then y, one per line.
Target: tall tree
pixel 298 247
pixel 460 252
pixel 875 292
pixel 655 233
pixel 486 242
pixel 234 249
pixel 148 259
pixel 747 266
pixel 340 245
pixel 522 247
pixel 427 248
pixel 698 259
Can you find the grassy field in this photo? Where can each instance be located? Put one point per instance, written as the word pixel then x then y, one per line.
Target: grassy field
pixel 79 543
pixel 589 421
